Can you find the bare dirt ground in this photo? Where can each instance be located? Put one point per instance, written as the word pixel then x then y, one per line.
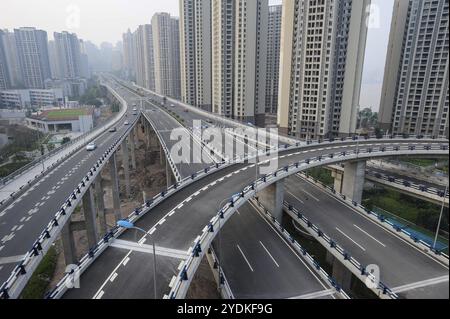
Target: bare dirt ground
pixel 203 285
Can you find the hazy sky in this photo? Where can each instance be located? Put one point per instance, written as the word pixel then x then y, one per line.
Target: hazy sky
pixel 106 20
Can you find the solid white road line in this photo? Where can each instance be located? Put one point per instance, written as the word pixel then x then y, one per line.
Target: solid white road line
pixel 350 239
pixel 99 295
pixel 421 284
pixel 290 247
pixel 315 295
pixel 267 251
pixel 242 253
pixel 370 236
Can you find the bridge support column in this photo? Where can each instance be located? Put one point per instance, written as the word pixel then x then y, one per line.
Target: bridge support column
pixel 338 180
pixel 90 217
pixel 133 146
pixel 340 273
pixel 272 199
pixel 126 167
pixel 68 244
pixel 100 195
pixel 353 183
pixel 115 187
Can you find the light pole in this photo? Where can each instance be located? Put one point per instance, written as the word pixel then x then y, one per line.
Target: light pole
pixel 128 225
pixel 440 217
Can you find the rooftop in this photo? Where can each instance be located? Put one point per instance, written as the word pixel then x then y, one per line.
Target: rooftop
pixel 62 114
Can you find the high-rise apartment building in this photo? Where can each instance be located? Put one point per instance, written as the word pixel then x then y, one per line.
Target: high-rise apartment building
pixel 5 82
pixel 68 55
pixel 166 54
pixel 195 52
pixel 415 97
pixel 250 55
pixel 32 51
pixel 322 54
pixel 222 29
pixel 10 59
pixel 129 55
pixel 273 58
pixel 143 56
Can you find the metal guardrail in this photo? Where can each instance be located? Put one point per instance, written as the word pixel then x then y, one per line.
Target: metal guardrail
pixel 22 272
pixel 102 245
pixel 38 162
pixel 403 182
pixel 380 219
pixel 182 282
pixel 296 245
pixel 361 272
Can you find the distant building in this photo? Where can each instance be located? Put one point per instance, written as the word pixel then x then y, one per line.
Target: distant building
pixel 71 87
pixel 12 116
pixel 415 96
pixel 68 54
pixel 273 59
pixel 62 121
pixel 166 48
pixel 32 51
pixel 9 60
pixel 21 99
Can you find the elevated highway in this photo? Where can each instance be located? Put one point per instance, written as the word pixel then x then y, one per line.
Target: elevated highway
pixel 180 214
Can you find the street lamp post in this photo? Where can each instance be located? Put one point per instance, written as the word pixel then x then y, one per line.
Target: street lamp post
pixel 440 217
pixel 128 225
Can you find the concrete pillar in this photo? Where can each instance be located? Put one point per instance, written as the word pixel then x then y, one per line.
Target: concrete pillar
pixel 161 156
pixel 340 273
pixel 133 146
pixel 126 167
pixel 115 187
pixel 353 184
pixel 272 199
pixel 90 217
pixel 100 196
pixel 68 244
pixel 338 180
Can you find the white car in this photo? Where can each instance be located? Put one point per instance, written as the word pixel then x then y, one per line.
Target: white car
pixel 126 123
pixel 91 147
pixel 134 109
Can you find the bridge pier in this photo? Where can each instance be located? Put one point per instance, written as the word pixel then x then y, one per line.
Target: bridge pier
pixel 340 273
pixel 68 243
pixel 115 187
pixel 133 147
pixel 351 182
pixel 126 167
pixel 90 217
pixel 272 199
pixel 100 197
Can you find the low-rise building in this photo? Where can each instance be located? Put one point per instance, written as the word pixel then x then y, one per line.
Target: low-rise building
pixel 62 120
pixel 70 87
pixel 21 99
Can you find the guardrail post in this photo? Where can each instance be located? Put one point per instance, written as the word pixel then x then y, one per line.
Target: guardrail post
pixel 115 186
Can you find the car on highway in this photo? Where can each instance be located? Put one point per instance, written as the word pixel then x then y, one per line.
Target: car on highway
pixel 91 146
pixel 126 123
pixel 113 129
pixel 134 109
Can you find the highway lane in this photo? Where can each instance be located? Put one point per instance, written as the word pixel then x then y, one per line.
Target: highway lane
pixel 176 222
pixel 400 263
pixel 24 219
pixel 259 263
